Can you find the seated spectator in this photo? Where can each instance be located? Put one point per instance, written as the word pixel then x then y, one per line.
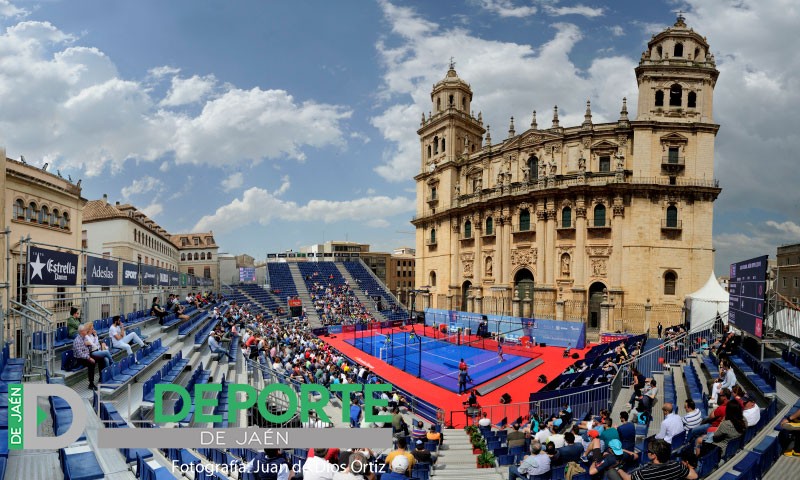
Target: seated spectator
pixel 732 427
pixel 485 421
pixel 659 453
pixel 790 434
pixel 399 468
pixel 537 463
pixel 711 422
pixel 418 432
pixel 614 457
pixel 422 455
pixel 157 311
pixel 121 339
pixel 751 411
pixel 671 425
pixel 434 436
pixel 626 431
pixel 358 468
pixel 516 437
pixel 73 322
pixel 570 452
pixel 82 356
pixel 214 345
pixel 178 310
pixel 693 417
pixel 401 450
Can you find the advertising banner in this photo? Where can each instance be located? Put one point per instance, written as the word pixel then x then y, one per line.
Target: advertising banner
pixel 49 267
pixel 149 275
pixel 130 274
pixel 747 288
pixel 100 271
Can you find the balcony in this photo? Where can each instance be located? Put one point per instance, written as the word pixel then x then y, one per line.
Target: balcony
pixel 431 242
pixel 563 227
pixel 466 237
pixel 604 226
pixel 671 226
pixel 672 163
pixel 491 234
pixel 432 200
pixel 521 229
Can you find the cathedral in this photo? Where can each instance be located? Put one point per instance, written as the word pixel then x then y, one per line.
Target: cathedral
pixel 558 221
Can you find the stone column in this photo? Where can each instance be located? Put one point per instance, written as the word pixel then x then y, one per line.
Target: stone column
pixel 449 301
pixel 526 306
pixel 426 301
pixel 559 309
pixel 617 227
pixel 470 303
pixel 455 275
pixel 477 264
pixel 606 316
pixel 648 313
pixel 541 247
pixel 502 245
pixel 478 302
pixel 515 303
pixel 551 260
pixel 578 260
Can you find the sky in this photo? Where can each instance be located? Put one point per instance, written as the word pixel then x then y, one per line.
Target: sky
pixel 282 124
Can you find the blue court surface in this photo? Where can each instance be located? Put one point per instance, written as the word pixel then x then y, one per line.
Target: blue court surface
pixel 439 359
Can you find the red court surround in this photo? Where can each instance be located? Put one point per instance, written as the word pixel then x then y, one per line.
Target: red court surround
pixel 519 389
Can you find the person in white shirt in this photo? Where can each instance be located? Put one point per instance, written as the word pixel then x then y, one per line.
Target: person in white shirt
pixel 751 411
pixel 543 434
pixel 269 462
pixel 671 425
pixel 317 468
pixel 119 339
pixel 693 417
pixel 485 421
pixel 727 379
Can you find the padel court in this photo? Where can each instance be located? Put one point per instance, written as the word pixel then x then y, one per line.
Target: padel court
pixel 436 360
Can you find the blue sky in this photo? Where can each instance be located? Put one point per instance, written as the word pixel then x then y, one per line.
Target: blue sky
pixel 280 124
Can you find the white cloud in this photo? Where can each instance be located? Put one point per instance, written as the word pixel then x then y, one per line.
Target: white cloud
pixel 258 205
pixel 153 209
pixel 753 240
pixel 188 90
pixel 233 182
pixel 9 10
pixel 70 106
pixel 364 138
pixel 617 30
pixel 589 12
pixel 370 191
pixel 506 8
pixel 504 76
pixel 141 186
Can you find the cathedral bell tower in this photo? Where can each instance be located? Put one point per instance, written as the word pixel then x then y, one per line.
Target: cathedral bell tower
pixel 676 77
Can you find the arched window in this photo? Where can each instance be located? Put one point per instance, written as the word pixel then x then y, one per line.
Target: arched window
pixel 44 215
pixel 672 216
pixel 463 103
pixel 432 278
pixel 196 256
pixel 659 98
pixel 55 217
pixel 433 193
pixel 433 236
pixel 691 100
pixel 452 101
pixel 696 53
pixel 202 255
pixel 678 50
pixel 208 256
pixel 675 93
pixel 435 145
pixel 65 221
pixel 489 226
pixel 438 104
pixel 670 279
pixel 659 52
pixel 467 229
pixel 30 213
pixel 443 144
pixel 429 151
pixel 19 209
pixel 600 215
pixel 524 220
pixel 183 257
pixel 533 168
pixel 566 217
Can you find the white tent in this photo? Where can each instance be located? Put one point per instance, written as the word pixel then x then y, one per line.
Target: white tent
pixel 704 304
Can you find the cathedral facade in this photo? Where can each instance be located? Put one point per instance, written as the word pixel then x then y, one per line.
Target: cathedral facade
pixel 614 213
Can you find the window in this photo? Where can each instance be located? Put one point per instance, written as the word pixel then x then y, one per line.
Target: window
pixel 476 184
pixel 208 256
pixel 670 279
pixel 438 104
pixel 524 220
pixel 19 209
pixel 65 221
pixel 196 256
pixel 795 282
pixel 435 145
pixel 433 279
pixel 190 271
pixel 429 151
pixel 463 104
pixel 673 155
pixel 433 193
pixel 566 217
pixel 468 229
pixel 600 215
pixel 691 101
pixel 55 217
pixel 672 216
pixel 659 51
pixel 605 163
pixel 489 226
pixel 433 235
pixel 452 101
pixel 44 215
pixel 30 213
pixel 533 167
pixel 207 272
pixel 443 146
pixel 202 255
pixel 659 98
pixel 678 52
pixel 675 93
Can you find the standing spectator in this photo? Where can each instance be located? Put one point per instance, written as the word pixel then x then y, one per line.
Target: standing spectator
pixel 73 322
pixel 81 351
pixel 659 452
pixel 462 381
pixel 119 339
pixel 626 431
pixel 355 414
pixel 660 329
pixel 538 463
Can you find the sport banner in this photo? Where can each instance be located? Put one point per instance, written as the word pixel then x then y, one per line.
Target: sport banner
pixel 130 274
pixel 163 277
pixel 100 271
pixel 50 267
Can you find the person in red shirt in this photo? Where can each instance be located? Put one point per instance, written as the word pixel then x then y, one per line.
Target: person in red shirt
pixel 462 365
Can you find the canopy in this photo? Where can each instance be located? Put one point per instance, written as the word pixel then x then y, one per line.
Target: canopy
pixel 704 304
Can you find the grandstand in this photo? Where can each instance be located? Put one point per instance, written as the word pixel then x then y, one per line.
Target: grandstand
pixel 178 353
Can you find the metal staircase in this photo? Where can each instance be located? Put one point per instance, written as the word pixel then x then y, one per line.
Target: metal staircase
pixel 30 318
pixel 314 320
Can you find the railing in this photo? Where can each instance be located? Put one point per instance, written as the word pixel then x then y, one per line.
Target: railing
pixel 518 228
pixel 672 161
pixel 430 242
pixel 671 225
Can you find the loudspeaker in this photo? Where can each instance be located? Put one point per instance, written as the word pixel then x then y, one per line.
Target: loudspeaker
pixel 505 398
pixel 575 356
pixel 542 344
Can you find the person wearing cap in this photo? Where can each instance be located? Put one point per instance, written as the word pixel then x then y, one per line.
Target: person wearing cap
pixel 317 468
pixel 516 437
pixel 751 411
pixel 671 425
pixel 614 457
pixel 401 451
pixel 421 454
pixel 537 463
pixel 398 469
